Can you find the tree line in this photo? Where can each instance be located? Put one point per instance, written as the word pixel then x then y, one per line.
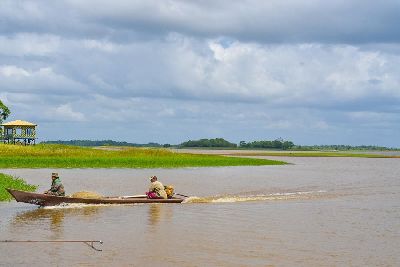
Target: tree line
pixel 220 142
pixel 279 144
pixel 208 143
pixel 102 143
pixel 201 143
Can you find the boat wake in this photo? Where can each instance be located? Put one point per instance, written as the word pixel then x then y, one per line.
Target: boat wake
pixel 245 197
pixel 259 197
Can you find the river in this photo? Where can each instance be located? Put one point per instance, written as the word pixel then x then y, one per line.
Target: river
pixel 313 212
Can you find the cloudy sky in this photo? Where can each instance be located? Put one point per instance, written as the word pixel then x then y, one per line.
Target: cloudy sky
pixel 166 71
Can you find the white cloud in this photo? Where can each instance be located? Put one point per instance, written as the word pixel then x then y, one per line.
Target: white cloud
pixel 42 81
pixel 100 45
pixel 29 44
pixel 285 74
pixel 65 113
pixel 8 71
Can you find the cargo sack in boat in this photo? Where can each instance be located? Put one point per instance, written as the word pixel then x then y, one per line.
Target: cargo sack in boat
pixel 169 189
pixel 86 194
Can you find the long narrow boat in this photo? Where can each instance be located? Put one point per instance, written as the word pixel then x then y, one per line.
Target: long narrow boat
pixel 49 200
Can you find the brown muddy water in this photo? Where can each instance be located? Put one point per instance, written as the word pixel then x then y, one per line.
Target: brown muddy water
pixel 314 212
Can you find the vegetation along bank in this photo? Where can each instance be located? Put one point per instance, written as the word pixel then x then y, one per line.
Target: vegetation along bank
pixel 63 156
pixel 7 181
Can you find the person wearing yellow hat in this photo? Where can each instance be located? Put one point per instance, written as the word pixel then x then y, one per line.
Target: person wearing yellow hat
pixel 57 188
pixel 156 189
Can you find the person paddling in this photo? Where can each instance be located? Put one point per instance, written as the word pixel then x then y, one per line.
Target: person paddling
pixel 156 189
pixel 57 188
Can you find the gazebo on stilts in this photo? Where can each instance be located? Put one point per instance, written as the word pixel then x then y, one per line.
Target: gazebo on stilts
pixel 18 132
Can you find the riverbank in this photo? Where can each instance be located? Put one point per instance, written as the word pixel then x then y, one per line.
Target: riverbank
pixel 8 181
pixel 313 154
pixel 64 156
pixel 285 153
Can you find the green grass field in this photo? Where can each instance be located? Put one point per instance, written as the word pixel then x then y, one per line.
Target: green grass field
pixel 63 156
pixel 7 181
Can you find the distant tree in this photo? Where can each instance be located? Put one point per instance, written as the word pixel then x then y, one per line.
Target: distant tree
pixel 242 144
pixel 287 145
pixel 275 144
pixel 217 142
pixel 4 112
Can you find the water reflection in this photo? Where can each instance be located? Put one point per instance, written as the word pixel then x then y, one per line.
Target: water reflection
pixel 159 213
pixel 154 214
pixel 53 217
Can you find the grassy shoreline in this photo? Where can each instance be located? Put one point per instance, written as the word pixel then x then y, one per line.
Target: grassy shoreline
pixel 64 156
pixel 8 181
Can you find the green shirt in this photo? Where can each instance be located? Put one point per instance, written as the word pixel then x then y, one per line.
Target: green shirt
pixel 57 187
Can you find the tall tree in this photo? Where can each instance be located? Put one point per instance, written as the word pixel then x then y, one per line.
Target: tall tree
pixel 4 112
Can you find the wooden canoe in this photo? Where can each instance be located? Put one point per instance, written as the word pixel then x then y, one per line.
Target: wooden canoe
pixel 49 200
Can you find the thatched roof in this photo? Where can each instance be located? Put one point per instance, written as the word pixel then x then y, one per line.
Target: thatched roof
pixel 18 123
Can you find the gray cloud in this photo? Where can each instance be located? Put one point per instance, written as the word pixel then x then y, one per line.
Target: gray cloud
pixel 267 21
pixel 356 21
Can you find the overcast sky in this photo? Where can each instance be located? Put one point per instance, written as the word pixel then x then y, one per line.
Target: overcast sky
pixel 311 71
